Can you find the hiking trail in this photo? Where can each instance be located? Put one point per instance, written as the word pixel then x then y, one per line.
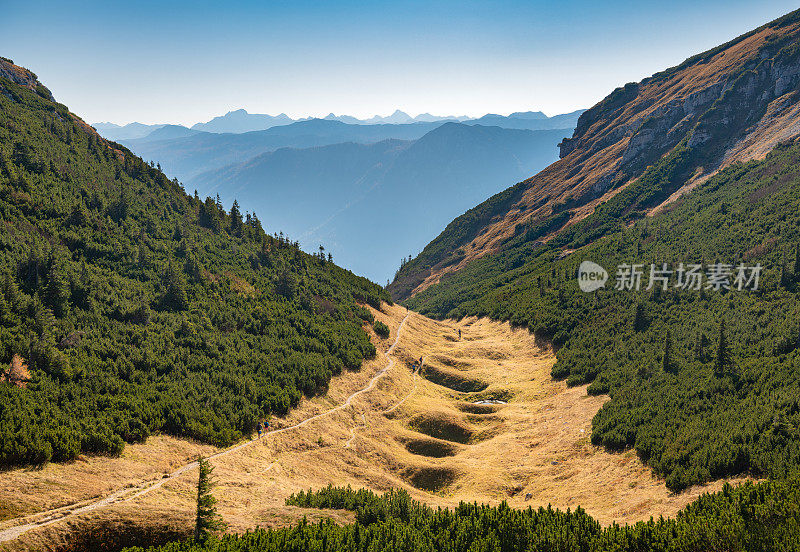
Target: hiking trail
pixel 48 517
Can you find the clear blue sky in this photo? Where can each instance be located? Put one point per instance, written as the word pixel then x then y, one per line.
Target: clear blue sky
pixel 186 61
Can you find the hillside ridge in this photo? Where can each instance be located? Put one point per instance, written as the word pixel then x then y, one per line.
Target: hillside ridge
pixel 731 104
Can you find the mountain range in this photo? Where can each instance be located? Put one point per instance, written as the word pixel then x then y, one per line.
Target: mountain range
pixel 330 194
pixel 239 121
pixel 282 173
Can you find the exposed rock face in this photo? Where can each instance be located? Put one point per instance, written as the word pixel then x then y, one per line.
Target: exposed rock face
pixel 23 77
pixel 732 103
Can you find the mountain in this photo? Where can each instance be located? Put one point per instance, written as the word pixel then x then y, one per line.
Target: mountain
pixel 169 132
pixel 185 158
pixel 530 120
pixel 342 118
pixel 396 118
pixel 727 105
pixel 131 131
pixel 329 194
pixel 693 169
pixel 531 115
pixel 242 121
pixel 128 307
pixel 428 118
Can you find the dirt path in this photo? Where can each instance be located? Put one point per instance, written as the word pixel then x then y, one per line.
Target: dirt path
pixel 49 517
pixel 413 388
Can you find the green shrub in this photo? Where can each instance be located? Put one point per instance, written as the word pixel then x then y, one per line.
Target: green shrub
pixel 381 329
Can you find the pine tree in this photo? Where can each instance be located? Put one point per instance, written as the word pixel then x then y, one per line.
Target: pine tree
pixel 141 257
pixel 11 290
pixel 5 311
pixel 639 320
pixel 236 219
pixel 787 275
pixel 208 520
pixel 700 347
pixel 666 360
pixel 57 292
pixel 797 263
pixel 723 358
pixel 176 288
pixel 192 267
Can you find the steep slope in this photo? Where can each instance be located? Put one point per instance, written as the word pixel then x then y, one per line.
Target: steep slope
pixel 730 104
pixel 128 307
pixel 330 194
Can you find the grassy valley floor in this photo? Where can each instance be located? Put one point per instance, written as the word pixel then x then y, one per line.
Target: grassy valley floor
pixel 528 443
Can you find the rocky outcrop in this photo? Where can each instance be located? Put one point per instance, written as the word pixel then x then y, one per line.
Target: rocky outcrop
pixel 23 77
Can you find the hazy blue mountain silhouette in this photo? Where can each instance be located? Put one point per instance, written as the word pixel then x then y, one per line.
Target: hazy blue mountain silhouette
pixel 189 156
pixel 370 204
pixel 170 132
pixel 530 120
pixel 131 131
pixel 241 121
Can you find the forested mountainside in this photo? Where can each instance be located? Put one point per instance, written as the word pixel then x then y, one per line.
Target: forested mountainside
pixel 704 383
pixel 128 307
pixel 730 104
pixel 751 517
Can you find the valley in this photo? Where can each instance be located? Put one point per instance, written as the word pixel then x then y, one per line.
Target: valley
pixel 382 427
pixel 602 357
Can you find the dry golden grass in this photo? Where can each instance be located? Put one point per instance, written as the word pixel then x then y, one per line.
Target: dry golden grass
pixel 534 450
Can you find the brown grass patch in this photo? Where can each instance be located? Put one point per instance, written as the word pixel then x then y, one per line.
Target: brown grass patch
pixel 432 479
pixel 454 380
pixel 241 286
pixel 443 426
pixel 473 408
pixel 434 448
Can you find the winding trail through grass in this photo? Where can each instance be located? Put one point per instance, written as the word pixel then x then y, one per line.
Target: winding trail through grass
pixel 42 519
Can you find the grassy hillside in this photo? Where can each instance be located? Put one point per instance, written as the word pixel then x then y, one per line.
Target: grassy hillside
pixel 750 517
pixel 695 416
pixel 139 309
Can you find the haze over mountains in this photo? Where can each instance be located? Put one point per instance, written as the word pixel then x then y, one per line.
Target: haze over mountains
pixel 367 202
pixel 239 121
pixel 324 180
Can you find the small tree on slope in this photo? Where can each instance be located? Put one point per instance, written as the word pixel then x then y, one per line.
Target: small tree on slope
pixel 208 520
